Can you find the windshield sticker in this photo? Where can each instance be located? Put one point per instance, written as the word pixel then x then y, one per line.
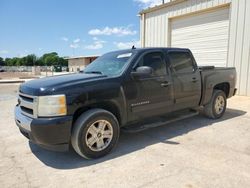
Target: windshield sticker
pixel 124 55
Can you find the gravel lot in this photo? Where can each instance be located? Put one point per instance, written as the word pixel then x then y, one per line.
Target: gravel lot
pixel 196 152
pixel 11 75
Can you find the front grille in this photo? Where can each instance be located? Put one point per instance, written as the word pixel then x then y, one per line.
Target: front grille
pixel 27 104
pixel 27 110
pixel 29 99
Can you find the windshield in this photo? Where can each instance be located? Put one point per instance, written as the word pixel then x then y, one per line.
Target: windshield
pixel 110 64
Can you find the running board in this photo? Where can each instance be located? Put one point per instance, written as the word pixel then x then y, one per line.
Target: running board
pixel 161 121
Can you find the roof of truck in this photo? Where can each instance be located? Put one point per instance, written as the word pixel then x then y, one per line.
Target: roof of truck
pixel 150 48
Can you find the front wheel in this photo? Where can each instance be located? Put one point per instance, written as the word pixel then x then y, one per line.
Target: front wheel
pixel 217 105
pixel 95 133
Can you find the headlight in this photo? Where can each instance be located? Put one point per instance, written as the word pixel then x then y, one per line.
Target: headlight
pixel 52 105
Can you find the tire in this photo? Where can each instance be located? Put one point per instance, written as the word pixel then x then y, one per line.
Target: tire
pixel 217 105
pixel 95 133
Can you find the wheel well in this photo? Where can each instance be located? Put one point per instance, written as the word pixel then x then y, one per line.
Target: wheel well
pixel 105 105
pixel 223 87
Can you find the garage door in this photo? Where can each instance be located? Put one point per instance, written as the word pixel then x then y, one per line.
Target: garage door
pixel 206 34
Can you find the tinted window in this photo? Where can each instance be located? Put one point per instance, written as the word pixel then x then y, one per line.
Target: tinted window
pixel 156 61
pixel 181 62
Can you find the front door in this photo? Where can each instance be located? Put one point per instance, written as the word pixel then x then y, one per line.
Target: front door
pixel 153 95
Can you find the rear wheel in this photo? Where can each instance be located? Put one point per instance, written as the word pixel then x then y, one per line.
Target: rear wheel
pixel 217 105
pixel 95 133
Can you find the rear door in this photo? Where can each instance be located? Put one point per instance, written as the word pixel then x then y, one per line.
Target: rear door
pixel 186 79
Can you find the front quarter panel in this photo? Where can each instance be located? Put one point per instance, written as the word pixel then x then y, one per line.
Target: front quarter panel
pixel 94 94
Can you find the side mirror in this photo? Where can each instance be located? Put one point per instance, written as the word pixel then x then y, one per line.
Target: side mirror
pixel 143 71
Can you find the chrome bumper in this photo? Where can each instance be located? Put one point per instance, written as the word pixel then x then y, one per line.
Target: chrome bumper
pixel 21 120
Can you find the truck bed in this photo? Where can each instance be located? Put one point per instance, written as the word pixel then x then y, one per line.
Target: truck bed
pixel 211 75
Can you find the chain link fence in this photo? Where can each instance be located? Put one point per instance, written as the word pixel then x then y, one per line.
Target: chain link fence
pixel 31 68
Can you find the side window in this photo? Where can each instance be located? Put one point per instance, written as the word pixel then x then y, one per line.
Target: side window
pixel 181 62
pixel 155 60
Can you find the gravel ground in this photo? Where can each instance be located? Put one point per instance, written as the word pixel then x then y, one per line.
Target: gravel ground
pixel 196 152
pixel 12 75
pixel 27 75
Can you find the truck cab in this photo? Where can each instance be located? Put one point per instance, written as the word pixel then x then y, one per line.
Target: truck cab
pixel 174 83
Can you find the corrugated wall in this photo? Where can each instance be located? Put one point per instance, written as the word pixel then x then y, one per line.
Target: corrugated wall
pixel 156 23
pixel 239 44
pixel 155 32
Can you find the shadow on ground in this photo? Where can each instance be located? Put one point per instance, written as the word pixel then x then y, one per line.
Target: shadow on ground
pixel 130 142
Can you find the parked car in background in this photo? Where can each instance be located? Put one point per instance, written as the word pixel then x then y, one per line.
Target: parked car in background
pixel 131 90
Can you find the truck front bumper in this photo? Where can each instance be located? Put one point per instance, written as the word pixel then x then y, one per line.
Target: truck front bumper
pixel 50 133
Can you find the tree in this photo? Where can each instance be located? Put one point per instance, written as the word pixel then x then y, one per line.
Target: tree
pixel 30 60
pixel 19 62
pixel 11 61
pixel 39 62
pixel 7 61
pixel 48 59
pixel 62 61
pixel 2 63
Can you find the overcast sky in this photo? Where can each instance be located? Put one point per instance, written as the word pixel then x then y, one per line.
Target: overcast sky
pixel 69 27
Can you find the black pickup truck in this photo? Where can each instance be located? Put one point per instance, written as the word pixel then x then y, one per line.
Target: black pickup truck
pixel 130 89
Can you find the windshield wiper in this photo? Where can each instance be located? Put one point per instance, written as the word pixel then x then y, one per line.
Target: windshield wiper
pixel 93 72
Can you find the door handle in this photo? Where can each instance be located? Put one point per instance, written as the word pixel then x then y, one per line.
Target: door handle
pixel 165 84
pixel 194 80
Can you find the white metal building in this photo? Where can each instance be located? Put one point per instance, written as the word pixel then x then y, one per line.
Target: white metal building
pixel 217 31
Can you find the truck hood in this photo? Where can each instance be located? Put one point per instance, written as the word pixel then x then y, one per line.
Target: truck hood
pixel 48 85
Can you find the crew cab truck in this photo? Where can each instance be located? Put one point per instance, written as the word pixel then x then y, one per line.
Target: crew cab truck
pixel 130 89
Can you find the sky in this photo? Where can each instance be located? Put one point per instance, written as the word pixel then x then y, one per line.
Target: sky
pixel 69 27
